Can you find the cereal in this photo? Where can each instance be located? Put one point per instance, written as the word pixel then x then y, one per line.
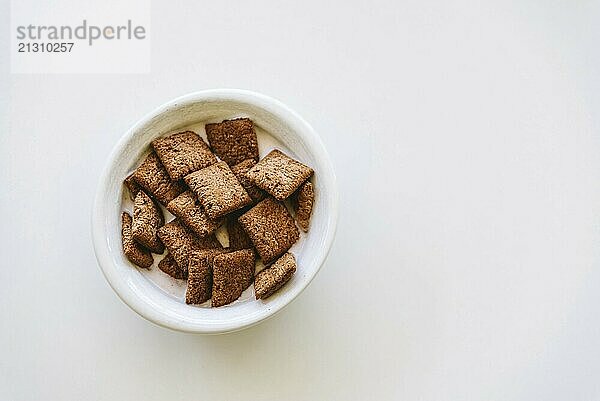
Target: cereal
pixel 233 140
pixel 240 171
pixel 187 208
pixel 134 252
pixel 169 266
pixel 272 278
pixel 304 204
pixel 152 176
pixel 238 239
pixel 132 186
pixel 147 219
pixel 271 229
pixel 232 273
pixel 200 281
pixel 181 241
pixel 183 153
pixel 203 190
pixel 218 190
pixel 279 174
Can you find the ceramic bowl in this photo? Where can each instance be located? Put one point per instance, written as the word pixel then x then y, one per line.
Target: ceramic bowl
pixel 160 302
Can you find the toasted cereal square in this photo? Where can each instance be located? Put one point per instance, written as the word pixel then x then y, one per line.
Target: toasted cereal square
pixel 233 140
pixel 279 174
pixel 238 239
pixel 169 266
pixel 135 253
pixel 232 273
pixel 200 276
pixel 181 242
pixel 147 219
pixel 240 171
pixel 271 229
pixel 187 207
pixel 183 153
pixel 218 190
pixel 272 278
pixel 305 198
pixel 132 186
pixel 152 177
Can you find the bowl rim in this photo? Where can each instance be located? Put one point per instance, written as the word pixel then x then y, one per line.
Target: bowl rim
pixel 100 233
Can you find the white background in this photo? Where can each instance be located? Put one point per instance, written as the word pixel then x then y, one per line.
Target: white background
pixel 466 264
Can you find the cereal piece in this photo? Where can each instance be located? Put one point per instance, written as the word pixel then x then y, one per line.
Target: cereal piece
pixel 238 239
pixel 169 266
pixel 218 190
pixel 152 176
pixel 200 268
pixel 269 280
pixel 183 153
pixel 279 174
pixel 304 204
pixel 271 229
pixel 132 186
pixel 134 252
pixel 240 171
pixel 181 242
pixel 232 273
pixel 233 140
pixel 187 207
pixel 147 219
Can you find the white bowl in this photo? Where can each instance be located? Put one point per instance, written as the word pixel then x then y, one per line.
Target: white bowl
pixel 135 286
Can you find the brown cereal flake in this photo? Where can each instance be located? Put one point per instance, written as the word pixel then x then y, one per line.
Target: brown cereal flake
pixel 232 273
pixel 132 186
pixel 305 198
pixel 152 177
pixel 240 171
pixel 233 140
pixel 238 239
pixel 181 242
pixel 183 153
pixel 188 209
pixel 272 278
pixel 200 276
pixel 135 253
pixel 170 267
pixel 271 229
pixel 147 219
pixel 279 174
pixel 218 190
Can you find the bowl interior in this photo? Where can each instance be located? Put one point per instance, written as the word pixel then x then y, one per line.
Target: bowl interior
pixel 155 295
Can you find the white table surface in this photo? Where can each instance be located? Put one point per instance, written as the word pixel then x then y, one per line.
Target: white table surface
pixel 465 138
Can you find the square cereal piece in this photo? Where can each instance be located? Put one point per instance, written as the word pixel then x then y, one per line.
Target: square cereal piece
pixel 218 190
pixel 188 209
pixel 147 219
pixel 238 239
pixel 279 174
pixel 304 200
pixel 271 229
pixel 132 186
pixel 183 153
pixel 170 267
pixel 240 171
pixel 233 140
pixel 272 278
pixel 136 254
pixel 232 273
pixel 152 177
pixel 181 242
pixel 200 276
